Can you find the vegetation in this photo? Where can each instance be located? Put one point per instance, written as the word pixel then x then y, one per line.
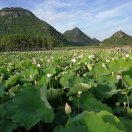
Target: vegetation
pixel 77 37
pixel 21 30
pixel 62 90
pixel 66 91
pixel 21 42
pixel 119 38
pixel 18 22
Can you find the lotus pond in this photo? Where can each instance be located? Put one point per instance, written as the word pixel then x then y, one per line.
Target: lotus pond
pixel 66 91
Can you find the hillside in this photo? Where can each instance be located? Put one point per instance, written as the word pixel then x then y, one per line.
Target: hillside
pixel 15 22
pixel 118 38
pixel 77 37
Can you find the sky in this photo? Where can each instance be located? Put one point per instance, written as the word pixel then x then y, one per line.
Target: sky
pixel 96 18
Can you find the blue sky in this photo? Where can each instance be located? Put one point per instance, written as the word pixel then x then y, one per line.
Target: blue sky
pixel 97 18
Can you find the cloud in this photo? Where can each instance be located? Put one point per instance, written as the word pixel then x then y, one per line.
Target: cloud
pixel 114 12
pixel 61 19
pixel 96 21
pixel 97 18
pixel 58 4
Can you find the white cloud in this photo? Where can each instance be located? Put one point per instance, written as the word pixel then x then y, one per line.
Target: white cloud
pixel 58 4
pixel 60 20
pixel 115 12
pixel 95 22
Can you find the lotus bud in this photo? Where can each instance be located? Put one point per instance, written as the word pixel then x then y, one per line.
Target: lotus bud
pixel 55 77
pixel 24 76
pixel 119 77
pixel 107 61
pixel 31 77
pixel 118 104
pixel 67 108
pixel 81 56
pixel 41 59
pixel 127 55
pixel 113 73
pixel 103 65
pixel 35 82
pixel 79 93
pixel 38 65
pixel 49 75
pixel 34 61
pixel 73 60
pixel 124 104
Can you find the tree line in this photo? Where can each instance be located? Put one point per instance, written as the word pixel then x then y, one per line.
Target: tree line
pixel 26 42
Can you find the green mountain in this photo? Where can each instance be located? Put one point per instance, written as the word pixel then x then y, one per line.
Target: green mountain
pixel 77 37
pixel 20 29
pixel 118 38
pixel 96 40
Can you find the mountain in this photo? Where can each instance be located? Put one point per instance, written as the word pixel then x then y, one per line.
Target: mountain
pixel 96 40
pixel 21 24
pixel 77 37
pixel 118 38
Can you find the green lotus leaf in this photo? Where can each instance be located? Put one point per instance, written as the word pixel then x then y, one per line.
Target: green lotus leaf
pixel 79 87
pixel 29 74
pixel 29 106
pixel 124 64
pixel 129 111
pixel 114 66
pixel 107 80
pixel 101 71
pixel 127 123
pixel 74 81
pixel 119 110
pixel 11 81
pixel 89 67
pixel 2 110
pixel 90 103
pixel 130 97
pixel 2 89
pixel 50 70
pixel 89 122
pixel 43 81
pixel 65 77
pixel 53 93
pixel 108 117
pixel 60 113
pixel 76 127
pixel 124 91
pixel 59 128
pixel 14 89
pixel 128 79
pixel 129 70
pixel 7 125
pixel 120 65
pixel 103 91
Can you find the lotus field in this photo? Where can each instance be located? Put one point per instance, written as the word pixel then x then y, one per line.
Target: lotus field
pixel 66 91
